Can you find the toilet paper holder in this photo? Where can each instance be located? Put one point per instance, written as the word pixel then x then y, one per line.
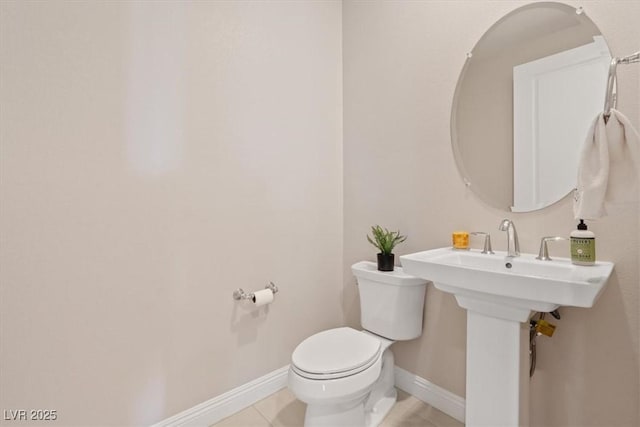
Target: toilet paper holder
pixel 240 294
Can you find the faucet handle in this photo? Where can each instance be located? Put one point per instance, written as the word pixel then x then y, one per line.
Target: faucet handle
pixel 487 241
pixel 543 254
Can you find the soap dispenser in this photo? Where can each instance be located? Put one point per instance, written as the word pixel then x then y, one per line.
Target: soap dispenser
pixel 583 245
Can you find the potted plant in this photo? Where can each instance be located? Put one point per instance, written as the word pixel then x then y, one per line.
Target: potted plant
pixel 385 241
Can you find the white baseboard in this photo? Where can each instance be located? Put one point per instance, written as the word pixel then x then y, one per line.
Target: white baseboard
pixel 219 407
pixel 447 402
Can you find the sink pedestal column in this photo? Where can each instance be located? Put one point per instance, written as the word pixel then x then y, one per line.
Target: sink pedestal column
pixel 497 364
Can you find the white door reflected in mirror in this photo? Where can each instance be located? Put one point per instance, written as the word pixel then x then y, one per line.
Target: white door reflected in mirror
pixel 553 100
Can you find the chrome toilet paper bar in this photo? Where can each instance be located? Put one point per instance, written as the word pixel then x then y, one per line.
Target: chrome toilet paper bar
pixel 240 294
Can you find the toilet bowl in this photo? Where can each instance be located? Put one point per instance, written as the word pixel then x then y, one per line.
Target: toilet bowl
pixel 345 376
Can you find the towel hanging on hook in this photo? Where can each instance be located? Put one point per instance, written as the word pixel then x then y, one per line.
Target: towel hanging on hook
pixel 600 185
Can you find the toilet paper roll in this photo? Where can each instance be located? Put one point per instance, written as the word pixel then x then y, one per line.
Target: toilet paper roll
pixel 262 297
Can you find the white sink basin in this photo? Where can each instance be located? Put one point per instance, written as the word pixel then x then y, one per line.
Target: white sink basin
pixel 522 282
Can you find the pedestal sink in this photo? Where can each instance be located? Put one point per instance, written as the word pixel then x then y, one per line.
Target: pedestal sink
pixel 499 293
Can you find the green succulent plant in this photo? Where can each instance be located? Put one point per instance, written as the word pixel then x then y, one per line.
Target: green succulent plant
pixel 384 239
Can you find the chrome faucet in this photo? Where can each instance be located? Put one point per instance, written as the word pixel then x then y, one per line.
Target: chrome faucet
pixel 513 246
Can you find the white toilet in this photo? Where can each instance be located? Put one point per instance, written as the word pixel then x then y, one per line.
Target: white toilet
pixel 345 376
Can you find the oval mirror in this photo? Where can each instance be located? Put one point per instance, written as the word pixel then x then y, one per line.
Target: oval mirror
pixel 525 99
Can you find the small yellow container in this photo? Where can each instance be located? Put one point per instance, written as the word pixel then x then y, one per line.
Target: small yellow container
pixel 460 240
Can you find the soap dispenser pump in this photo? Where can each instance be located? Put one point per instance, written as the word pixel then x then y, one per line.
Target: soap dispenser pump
pixel 583 245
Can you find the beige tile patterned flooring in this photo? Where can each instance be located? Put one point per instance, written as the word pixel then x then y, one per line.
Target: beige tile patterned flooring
pixel 282 409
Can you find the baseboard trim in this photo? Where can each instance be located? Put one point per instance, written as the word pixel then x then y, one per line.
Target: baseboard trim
pixel 224 405
pixel 227 404
pixel 447 402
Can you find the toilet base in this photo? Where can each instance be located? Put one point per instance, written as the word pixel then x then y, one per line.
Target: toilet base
pixel 367 410
pixel 380 410
pixel 346 414
pixel 383 395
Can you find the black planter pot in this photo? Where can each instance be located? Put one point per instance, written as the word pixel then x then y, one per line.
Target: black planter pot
pixel 385 262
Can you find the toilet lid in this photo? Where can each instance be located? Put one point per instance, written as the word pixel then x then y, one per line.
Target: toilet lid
pixel 335 353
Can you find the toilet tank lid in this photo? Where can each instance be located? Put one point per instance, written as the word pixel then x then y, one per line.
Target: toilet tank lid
pixel 336 350
pixel 369 270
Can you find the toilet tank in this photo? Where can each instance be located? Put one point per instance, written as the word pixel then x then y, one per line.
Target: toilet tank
pixel 391 302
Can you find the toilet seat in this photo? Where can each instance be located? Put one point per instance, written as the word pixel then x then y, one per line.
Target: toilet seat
pixel 335 353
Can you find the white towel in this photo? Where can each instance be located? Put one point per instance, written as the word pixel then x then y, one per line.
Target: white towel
pixel 609 168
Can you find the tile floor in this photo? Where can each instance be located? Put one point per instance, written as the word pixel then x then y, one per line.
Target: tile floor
pixel 282 409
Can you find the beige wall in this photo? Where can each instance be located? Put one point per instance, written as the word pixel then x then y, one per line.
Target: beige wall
pixel 401 65
pixel 155 157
